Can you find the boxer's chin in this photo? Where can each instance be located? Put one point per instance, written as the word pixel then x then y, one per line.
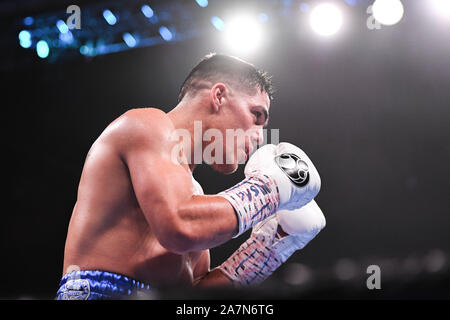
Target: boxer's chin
pixel 225 168
pixel 231 162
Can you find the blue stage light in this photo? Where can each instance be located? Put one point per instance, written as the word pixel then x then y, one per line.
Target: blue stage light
pixel 202 3
pixel 84 50
pixel 218 23
pixel 109 17
pixel 24 35
pixel 66 37
pixel 147 11
pixel 62 26
pixel 165 33
pixel 42 49
pixel 129 40
pixel 88 49
pixel 25 38
pixel 25 44
pixel 28 21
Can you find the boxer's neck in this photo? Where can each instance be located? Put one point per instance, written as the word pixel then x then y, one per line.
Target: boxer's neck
pixel 183 116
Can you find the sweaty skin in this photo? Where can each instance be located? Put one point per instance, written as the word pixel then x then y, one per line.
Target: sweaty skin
pixel 136 213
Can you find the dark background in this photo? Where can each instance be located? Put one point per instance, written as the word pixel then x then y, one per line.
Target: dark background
pixel 370 107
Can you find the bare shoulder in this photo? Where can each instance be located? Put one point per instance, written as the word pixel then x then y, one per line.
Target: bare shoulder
pixel 141 128
pixel 145 120
pixel 145 115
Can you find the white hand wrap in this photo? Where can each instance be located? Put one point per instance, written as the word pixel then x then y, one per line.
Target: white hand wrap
pixel 254 199
pixel 255 260
pixel 258 257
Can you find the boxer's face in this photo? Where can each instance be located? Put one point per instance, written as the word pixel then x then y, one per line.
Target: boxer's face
pixel 243 117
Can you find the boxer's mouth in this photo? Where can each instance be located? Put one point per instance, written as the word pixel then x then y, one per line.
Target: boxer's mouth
pixel 248 150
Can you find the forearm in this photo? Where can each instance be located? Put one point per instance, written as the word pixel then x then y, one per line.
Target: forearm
pixel 211 221
pixel 217 278
pixel 214 219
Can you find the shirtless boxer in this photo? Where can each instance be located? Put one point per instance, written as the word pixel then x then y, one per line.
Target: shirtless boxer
pixel 141 221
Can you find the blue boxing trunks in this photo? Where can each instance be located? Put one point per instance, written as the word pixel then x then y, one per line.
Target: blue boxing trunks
pixel 100 285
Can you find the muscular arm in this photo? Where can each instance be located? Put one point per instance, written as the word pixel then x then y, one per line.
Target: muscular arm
pixel 210 219
pixel 181 222
pixel 215 278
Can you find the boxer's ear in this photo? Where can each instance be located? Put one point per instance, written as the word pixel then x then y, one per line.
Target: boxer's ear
pixel 218 96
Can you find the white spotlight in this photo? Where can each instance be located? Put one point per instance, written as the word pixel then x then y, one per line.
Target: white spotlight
pixel 442 7
pixel 387 12
pixel 243 33
pixel 326 19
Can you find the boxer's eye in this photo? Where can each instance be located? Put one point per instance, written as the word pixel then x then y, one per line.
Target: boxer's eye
pixel 261 118
pixel 257 115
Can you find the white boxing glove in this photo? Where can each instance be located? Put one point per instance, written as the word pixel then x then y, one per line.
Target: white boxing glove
pixel 278 177
pixel 295 174
pixel 302 225
pixel 265 250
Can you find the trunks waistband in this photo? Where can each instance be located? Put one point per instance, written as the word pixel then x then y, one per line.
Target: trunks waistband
pixel 98 284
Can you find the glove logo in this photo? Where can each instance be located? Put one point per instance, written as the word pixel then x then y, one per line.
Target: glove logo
pixel 296 169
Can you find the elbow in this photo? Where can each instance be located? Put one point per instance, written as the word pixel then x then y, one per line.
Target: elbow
pixel 178 244
pixel 178 238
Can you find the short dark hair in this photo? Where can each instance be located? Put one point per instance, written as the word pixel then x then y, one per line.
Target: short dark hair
pixel 224 68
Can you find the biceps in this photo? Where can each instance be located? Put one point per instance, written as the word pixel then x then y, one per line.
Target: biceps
pixel 159 185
